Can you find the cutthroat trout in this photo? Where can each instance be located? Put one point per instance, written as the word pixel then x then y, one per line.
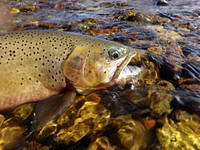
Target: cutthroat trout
pixel 35 65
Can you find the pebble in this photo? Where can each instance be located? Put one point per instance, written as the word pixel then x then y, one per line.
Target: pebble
pixel 162 3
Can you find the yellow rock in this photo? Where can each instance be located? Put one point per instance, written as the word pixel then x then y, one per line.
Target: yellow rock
pixel 2 118
pixel 47 130
pixel 180 135
pixel 90 118
pixel 131 133
pixel 27 8
pixel 24 111
pixel 101 143
pixel 10 137
pixel 92 8
pixel 164 33
pixel 14 11
pixel 160 98
pixel 74 133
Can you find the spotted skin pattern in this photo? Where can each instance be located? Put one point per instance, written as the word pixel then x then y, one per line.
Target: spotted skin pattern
pixel 34 65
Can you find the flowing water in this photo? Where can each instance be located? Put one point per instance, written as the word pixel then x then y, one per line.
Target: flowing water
pixel 159 110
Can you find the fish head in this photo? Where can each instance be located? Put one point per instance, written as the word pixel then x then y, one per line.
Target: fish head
pixel 92 66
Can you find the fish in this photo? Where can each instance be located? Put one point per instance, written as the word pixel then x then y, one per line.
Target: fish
pixel 129 75
pixel 38 64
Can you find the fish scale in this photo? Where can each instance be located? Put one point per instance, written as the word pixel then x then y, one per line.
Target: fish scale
pixel 36 53
pixel 41 65
pixel 32 64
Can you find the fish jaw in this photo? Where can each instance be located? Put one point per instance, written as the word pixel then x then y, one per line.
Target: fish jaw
pixel 129 75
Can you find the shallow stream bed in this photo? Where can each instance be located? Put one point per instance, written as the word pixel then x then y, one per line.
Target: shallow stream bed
pixel 159 111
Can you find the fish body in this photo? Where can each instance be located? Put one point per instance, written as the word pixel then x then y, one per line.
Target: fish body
pixel 35 65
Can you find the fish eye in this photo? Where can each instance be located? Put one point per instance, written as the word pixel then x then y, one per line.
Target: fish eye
pixel 114 54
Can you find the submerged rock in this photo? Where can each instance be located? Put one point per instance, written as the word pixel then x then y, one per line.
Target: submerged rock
pixel 90 118
pixel 160 98
pixel 180 135
pixel 12 135
pixel 162 3
pixel 160 110
pixel 101 143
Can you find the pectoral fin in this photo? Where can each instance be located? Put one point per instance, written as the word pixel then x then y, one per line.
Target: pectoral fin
pixel 48 110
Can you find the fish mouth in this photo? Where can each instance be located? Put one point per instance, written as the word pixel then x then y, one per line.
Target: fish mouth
pixel 129 75
pixel 121 67
pixel 131 70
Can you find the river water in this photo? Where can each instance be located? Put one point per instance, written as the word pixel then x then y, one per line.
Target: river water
pixel 159 111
